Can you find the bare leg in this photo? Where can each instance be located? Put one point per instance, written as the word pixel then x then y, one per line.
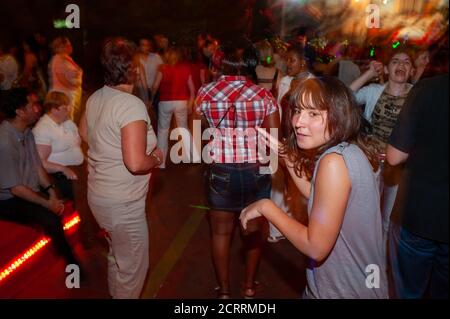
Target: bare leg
pixel 254 239
pixel 222 226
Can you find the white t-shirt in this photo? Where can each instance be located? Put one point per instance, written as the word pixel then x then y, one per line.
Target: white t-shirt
pixel 107 111
pixel 283 87
pixel 63 138
pixel 9 69
pixel 151 64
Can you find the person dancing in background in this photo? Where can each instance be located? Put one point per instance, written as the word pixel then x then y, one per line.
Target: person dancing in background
pixel 233 180
pixel 383 103
pixel 65 75
pixel 176 88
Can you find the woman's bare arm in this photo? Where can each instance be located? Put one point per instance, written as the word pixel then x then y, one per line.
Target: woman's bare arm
pixel 332 190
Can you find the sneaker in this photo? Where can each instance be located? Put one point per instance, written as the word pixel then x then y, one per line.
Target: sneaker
pixel 275 239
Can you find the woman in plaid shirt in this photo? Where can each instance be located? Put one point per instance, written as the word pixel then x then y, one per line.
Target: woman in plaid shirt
pixel 233 107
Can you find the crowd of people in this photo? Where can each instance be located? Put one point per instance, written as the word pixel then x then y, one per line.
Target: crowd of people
pixel 360 144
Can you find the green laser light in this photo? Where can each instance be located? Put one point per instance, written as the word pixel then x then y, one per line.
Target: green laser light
pixel 59 24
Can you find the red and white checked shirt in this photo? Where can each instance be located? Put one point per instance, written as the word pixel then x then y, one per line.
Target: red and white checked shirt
pixel 235 140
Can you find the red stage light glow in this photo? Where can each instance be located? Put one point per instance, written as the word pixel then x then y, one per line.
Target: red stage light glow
pixel 17 262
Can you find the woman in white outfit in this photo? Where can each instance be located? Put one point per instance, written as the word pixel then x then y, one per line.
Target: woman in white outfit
pixel 120 156
pixel 65 75
pixel 58 143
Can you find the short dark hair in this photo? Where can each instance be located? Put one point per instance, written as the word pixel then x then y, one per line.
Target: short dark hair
pixel 12 100
pixel 240 58
pixel 298 50
pixel 117 59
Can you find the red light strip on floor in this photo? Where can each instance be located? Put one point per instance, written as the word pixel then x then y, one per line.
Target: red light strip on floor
pixel 30 252
pixel 72 222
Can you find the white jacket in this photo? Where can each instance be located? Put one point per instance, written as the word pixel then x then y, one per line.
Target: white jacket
pixel 369 96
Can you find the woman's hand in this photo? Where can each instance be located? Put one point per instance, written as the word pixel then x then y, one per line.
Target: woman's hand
pixel 158 155
pixel 376 69
pixel 422 60
pixel 253 211
pixel 55 205
pixel 69 173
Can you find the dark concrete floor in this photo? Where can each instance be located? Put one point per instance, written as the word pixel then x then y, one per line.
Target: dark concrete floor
pixel 191 275
pixel 180 259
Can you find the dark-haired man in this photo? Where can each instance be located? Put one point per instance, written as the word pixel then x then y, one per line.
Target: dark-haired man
pixel 23 175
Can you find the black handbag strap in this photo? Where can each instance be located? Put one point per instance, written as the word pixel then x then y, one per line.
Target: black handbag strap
pixel 233 104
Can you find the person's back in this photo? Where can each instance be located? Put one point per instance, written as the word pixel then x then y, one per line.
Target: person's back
pixel 418 236
pixel 358 250
pixel 151 64
pixel 235 107
pixel 425 184
pixel 266 76
pixel 64 74
pixel 174 82
pixel 251 102
pixel 107 111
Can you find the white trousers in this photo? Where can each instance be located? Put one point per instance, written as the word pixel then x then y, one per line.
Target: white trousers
pixel 165 111
pixel 388 181
pixel 128 256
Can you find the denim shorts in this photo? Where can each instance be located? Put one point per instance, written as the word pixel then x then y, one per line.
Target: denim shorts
pixel 232 187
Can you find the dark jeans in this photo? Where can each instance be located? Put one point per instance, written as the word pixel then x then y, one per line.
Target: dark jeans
pixel 26 213
pixel 419 265
pixel 232 187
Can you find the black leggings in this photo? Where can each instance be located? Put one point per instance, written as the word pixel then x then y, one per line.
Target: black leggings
pixel 26 213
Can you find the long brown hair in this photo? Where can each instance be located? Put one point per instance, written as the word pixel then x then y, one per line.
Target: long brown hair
pixel 345 122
